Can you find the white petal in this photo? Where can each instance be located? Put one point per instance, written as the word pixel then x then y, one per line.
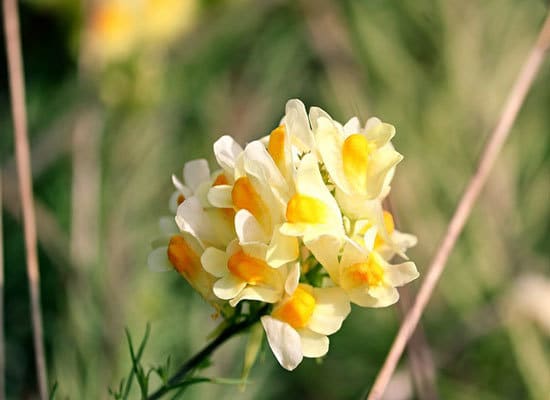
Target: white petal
pixel 248 228
pixel 258 293
pixel 331 308
pixel 258 163
pixel 196 172
pixel 310 182
pixel 293 278
pixel 192 218
pixel 379 132
pixel 227 151
pixel 313 344
pixel 330 142
pixel 400 274
pixel 353 254
pixel 326 249
pixel 228 287
pixel 386 295
pixel 352 126
pixel 361 297
pixel 255 249
pixel 282 249
pixel 297 125
pixel 157 260
pixel 220 196
pixel 370 237
pixel 214 261
pixel 177 183
pixel 173 201
pixel 381 164
pixel 284 341
pixel 403 241
pixel 315 113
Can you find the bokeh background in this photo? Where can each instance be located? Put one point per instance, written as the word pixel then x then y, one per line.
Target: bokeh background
pixel 121 93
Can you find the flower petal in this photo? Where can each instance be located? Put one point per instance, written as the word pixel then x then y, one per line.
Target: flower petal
pixel 297 125
pixel 220 196
pixel 282 249
pixel 258 293
pixel 353 254
pixel 401 274
pixel 196 172
pixel 248 228
pixel 228 287
pixel 385 294
pixel 313 344
pixel 293 278
pixel 331 308
pixel 227 151
pixel 352 126
pixel 284 341
pixel 214 261
pixel 326 249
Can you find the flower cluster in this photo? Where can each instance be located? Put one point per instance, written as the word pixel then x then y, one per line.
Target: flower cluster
pixel 293 220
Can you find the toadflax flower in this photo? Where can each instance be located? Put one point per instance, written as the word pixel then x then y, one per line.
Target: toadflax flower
pixel 291 229
pixel 299 325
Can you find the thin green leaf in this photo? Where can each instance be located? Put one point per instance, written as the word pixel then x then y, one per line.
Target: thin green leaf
pixel 253 347
pixel 53 391
pixel 135 361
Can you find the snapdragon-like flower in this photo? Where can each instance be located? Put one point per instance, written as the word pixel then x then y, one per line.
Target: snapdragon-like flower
pixel 291 224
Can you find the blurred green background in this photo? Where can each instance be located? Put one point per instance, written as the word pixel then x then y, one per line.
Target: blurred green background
pixel 121 94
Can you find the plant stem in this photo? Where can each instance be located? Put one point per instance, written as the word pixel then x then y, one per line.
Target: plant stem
pixel 17 89
pixel 202 355
pixel 511 108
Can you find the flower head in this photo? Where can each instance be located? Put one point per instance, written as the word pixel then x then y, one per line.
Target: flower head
pixel 292 222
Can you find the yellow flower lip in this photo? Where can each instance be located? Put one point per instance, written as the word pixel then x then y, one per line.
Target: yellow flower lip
pixel 356 150
pixel 250 269
pixel 276 146
pixel 306 209
pixel 369 273
pixel 389 225
pixel 182 257
pixel 298 308
pixel 245 197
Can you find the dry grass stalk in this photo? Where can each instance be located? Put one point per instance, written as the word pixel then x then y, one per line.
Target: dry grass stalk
pixel 509 113
pixel 2 346
pixel 17 89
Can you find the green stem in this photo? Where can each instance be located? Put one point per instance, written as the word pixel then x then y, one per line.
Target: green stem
pixel 202 355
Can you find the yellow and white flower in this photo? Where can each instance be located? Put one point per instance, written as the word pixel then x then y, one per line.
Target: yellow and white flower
pixel 295 220
pixel 182 252
pixel 368 279
pixel 299 325
pixel 378 233
pixel 243 274
pixel 311 211
pixel 359 161
pixel 196 177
